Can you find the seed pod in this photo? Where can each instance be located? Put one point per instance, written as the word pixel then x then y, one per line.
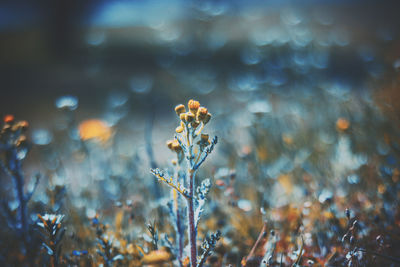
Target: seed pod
pixel 193 106
pixel 179 109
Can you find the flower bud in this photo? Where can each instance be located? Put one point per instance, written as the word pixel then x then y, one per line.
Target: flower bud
pixel 182 117
pixel 21 140
pixel 204 137
pixel 169 144
pixel 179 129
pixel 23 125
pixel 193 106
pixel 175 146
pixel 179 109
pixel 201 113
pixel 9 118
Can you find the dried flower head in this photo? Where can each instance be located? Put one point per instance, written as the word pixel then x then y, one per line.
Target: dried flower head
pixel 169 143
pixel 182 117
pixel 9 118
pixel 202 113
pixel 179 109
pixel 193 106
pixel 23 125
pixel 179 129
pixel 204 137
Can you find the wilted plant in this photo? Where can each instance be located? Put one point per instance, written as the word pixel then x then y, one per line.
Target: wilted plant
pixel 192 145
pixel 106 250
pixel 13 150
pixel 53 233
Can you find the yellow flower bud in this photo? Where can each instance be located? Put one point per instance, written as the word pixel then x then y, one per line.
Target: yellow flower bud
pixel 179 109
pixel 182 117
pixel 23 125
pixel 193 106
pixel 179 129
pixel 175 146
pixel 201 113
pixel 169 144
pixel 204 137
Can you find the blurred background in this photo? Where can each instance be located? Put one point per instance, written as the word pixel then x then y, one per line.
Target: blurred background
pixel 294 68
pixel 169 50
pixel 304 95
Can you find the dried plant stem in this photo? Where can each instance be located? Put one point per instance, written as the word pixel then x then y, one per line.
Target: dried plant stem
pixel 192 227
pixel 19 183
pixel 380 255
pixel 179 235
pixel 255 246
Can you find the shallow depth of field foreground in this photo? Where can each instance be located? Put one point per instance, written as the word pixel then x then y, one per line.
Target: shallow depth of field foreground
pixel 199 133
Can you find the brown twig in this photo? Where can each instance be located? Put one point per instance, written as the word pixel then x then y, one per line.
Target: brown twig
pixel 261 236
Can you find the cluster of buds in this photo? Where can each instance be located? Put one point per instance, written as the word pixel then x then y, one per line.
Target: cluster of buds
pixel 192 123
pixel 204 141
pixel 194 117
pixel 12 132
pixel 13 140
pixel 174 146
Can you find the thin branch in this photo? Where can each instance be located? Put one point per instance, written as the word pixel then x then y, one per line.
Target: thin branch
pixel 181 143
pixel 296 263
pixel 208 246
pixel 30 194
pixel 261 236
pixel 380 255
pixel 206 152
pixel 169 181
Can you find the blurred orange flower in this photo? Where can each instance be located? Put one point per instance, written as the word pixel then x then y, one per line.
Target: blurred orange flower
pixel 94 129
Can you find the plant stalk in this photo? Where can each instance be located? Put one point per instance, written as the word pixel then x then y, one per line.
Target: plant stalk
pixel 192 227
